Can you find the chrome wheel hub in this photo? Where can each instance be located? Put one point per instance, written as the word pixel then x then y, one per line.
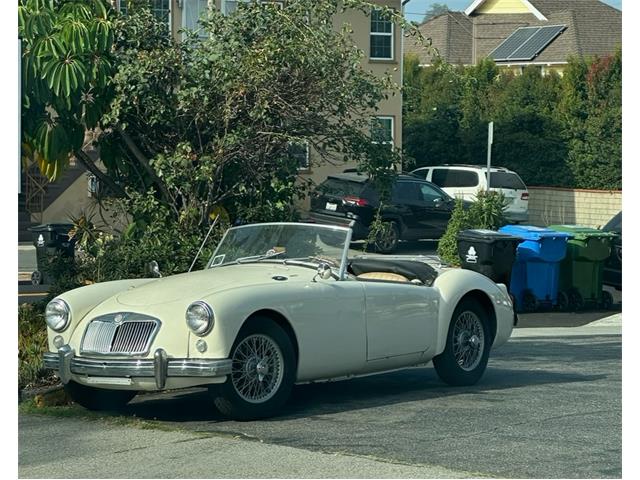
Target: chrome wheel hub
pixel 257 368
pixel 468 340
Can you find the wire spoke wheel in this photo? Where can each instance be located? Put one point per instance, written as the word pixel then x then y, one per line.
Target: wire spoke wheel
pixel 257 368
pixel 468 340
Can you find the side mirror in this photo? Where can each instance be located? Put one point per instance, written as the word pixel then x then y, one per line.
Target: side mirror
pixel 324 271
pixel 437 201
pixel 154 269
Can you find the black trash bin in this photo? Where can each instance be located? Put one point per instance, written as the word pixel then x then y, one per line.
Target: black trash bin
pixel 489 253
pixel 50 240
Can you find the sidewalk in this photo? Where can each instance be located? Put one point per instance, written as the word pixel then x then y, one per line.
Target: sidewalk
pixel 611 325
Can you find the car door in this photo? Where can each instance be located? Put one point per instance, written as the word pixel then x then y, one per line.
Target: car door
pixel 434 211
pixel 405 206
pixel 401 319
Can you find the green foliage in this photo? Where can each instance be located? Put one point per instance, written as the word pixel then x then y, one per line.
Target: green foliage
pixel 66 66
pixel 32 344
pixel 552 130
pixel 448 243
pixel 209 121
pixel 487 212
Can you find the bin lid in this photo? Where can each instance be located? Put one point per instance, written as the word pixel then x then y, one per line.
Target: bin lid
pixel 529 232
pixel 580 232
pixel 484 235
pixel 51 227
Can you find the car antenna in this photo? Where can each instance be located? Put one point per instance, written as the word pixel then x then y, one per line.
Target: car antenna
pixel 215 220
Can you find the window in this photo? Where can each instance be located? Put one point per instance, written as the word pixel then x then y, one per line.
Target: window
pixel 447 177
pixel 161 9
pixel 382 130
pixel 429 194
pixel 405 192
pixel 230 6
pixel 192 10
pixel 506 180
pixel 381 38
pixel 300 153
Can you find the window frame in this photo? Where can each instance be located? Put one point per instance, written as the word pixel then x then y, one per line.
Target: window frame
pixel 382 34
pixel 392 141
pixel 306 168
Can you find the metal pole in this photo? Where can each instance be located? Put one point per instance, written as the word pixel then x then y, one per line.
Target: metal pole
pixel 204 241
pixel 489 143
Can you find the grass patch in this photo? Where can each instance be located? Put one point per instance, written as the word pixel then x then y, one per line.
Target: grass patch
pixel 30 407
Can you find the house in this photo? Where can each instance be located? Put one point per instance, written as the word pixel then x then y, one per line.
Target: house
pixel 379 38
pixel 517 33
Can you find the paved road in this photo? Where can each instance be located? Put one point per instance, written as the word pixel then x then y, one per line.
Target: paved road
pixel 549 405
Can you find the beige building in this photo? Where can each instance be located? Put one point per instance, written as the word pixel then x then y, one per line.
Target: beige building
pixel 380 39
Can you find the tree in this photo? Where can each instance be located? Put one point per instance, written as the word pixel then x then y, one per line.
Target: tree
pixel 592 114
pixel 67 64
pixel 434 10
pixel 211 120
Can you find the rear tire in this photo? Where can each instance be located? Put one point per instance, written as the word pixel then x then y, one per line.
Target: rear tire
pixel 98 399
pixel 263 372
pixel 469 340
pixel 387 241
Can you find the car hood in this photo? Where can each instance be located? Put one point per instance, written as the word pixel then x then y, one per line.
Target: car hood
pixel 195 285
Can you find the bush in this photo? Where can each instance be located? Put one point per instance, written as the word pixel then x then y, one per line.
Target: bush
pixel 486 212
pixel 32 344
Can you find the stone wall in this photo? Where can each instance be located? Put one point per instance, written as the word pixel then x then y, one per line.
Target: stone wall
pixel 592 208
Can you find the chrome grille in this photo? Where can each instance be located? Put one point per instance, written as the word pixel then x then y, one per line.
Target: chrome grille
pixel 122 333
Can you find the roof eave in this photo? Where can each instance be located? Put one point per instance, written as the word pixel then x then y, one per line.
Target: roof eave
pixel 476 3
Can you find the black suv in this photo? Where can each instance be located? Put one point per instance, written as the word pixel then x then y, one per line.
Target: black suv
pixel 418 209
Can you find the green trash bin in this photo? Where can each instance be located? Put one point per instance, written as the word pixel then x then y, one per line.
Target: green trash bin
pixel 581 270
pixel 50 240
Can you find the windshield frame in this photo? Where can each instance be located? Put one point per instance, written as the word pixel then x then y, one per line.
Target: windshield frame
pixel 345 251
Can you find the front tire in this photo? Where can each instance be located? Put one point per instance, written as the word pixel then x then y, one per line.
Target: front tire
pixel 262 375
pixel 98 399
pixel 466 353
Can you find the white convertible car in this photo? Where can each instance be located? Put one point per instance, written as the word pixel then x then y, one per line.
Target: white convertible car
pixel 278 304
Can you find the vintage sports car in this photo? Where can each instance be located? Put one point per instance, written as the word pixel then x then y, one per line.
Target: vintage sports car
pixel 278 304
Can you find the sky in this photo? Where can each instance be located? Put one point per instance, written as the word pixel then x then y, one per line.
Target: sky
pixel 415 9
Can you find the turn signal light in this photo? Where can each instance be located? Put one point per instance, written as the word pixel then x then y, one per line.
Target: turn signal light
pixel 525 196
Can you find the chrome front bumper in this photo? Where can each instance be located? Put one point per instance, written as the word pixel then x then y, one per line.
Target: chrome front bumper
pixel 65 363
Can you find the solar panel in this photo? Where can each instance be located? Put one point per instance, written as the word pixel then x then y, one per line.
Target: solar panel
pixel 536 43
pixel 512 42
pixel 525 43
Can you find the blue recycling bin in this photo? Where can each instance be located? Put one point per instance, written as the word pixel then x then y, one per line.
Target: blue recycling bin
pixel 536 271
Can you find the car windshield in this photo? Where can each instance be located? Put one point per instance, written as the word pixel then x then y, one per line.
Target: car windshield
pixel 282 242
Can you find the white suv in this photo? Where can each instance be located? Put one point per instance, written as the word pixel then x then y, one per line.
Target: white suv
pixel 465 181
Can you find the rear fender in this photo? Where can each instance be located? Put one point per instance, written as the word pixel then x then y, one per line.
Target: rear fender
pixel 454 285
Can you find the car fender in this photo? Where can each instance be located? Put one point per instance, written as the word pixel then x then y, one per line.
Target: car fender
pixel 83 300
pixel 454 284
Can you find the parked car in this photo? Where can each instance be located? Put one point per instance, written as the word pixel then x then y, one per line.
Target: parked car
pixel 465 181
pixel 418 209
pixel 612 274
pixel 276 305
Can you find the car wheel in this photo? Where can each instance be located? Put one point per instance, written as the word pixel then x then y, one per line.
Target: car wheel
pixel 466 353
pixel 262 372
pixel 387 240
pixel 98 399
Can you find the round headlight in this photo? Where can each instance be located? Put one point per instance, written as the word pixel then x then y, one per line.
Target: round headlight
pixel 199 318
pixel 57 314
